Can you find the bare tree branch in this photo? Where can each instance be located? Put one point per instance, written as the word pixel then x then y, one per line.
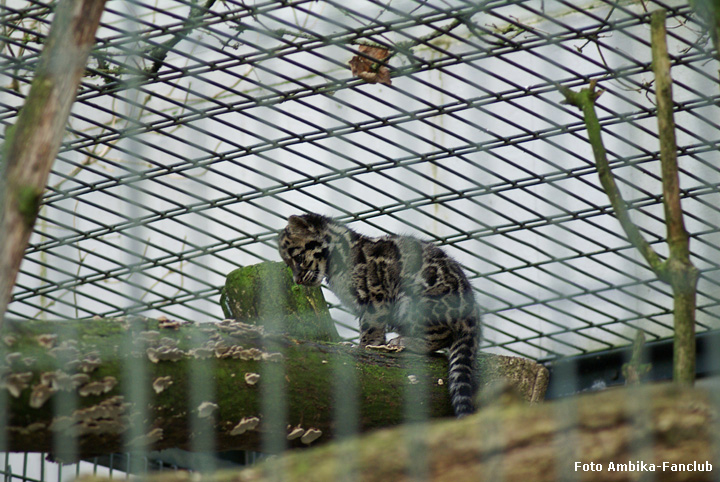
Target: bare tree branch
pixel 677 270
pixel 585 101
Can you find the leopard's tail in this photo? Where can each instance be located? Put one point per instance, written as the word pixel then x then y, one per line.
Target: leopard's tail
pixel 462 377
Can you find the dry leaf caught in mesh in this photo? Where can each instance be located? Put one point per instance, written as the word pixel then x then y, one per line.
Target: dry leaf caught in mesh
pixel 370 70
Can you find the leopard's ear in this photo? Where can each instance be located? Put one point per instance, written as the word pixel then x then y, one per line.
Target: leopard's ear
pixel 297 225
pixel 307 225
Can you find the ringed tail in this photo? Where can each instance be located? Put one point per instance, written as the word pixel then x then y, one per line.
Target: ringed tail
pixel 461 376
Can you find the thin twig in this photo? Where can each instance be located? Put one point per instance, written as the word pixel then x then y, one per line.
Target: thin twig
pixel 406 47
pixel 159 52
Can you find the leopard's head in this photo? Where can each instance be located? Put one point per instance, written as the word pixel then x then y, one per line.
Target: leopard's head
pixel 303 245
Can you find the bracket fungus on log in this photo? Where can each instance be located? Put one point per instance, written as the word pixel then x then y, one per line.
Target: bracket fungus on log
pixel 308 371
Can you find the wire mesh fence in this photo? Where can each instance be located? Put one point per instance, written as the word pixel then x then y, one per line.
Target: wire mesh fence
pixel 35 467
pixel 200 127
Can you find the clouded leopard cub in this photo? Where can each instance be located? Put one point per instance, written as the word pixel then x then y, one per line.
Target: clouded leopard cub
pixel 392 283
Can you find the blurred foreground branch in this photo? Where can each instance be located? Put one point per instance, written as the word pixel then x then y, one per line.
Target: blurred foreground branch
pixel 665 432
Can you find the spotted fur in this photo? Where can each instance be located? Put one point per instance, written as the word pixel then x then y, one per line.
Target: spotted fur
pixel 392 283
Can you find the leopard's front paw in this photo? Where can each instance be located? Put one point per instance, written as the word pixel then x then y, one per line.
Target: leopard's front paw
pixel 389 347
pixel 415 345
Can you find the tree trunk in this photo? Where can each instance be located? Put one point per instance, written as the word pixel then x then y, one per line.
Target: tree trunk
pixel 33 142
pixel 682 274
pixel 79 376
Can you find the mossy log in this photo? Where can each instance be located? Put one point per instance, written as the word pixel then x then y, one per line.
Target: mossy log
pixel 667 433
pixel 102 379
pixel 265 294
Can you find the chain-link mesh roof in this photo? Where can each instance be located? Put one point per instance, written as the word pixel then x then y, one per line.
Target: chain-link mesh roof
pixel 201 126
